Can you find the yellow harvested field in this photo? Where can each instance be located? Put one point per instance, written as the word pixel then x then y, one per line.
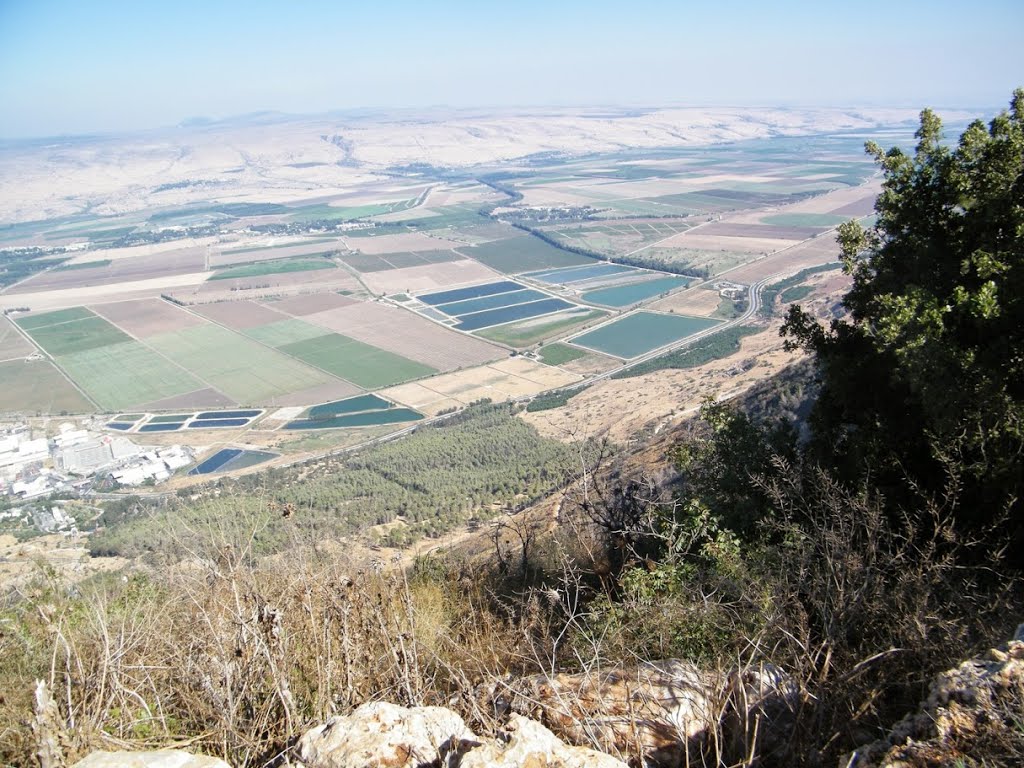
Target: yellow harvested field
pixel 505 380
pixel 807 254
pixel 591 364
pixel 429 277
pixel 131 252
pixel 542 196
pixel 476 193
pixel 406 241
pixel 421 399
pixel 700 242
pixel 832 201
pixel 548 375
pixel 826 203
pixel 74 297
pixel 700 302
pixel 721 178
pixel 228 256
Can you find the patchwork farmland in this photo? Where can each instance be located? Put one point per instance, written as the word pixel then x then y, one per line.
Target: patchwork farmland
pixel 415 289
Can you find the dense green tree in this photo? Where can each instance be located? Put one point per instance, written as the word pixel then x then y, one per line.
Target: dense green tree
pixel 923 383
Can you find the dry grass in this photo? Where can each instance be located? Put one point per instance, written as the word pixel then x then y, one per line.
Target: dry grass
pixel 827 635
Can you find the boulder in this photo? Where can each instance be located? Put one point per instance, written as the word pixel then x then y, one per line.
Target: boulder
pixel 973 713
pixel 655 710
pixel 161 758
pixel 524 743
pixel 382 735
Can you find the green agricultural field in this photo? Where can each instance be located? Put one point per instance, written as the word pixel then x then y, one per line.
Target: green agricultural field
pixel 642 332
pixel 244 370
pixel 38 387
pixel 84 265
pixel 527 332
pixel 284 332
pixel 78 336
pixel 171 418
pixel 523 254
pixel 556 354
pixel 120 376
pixel 360 363
pixel 714 347
pixel 276 267
pixel 318 212
pixel 795 294
pixel 52 318
pixel 804 219
pixel 349 405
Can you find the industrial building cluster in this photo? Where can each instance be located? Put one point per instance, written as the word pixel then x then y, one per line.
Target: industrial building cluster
pixel 75 460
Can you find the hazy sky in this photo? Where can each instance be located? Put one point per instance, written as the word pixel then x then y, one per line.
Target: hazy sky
pixel 88 65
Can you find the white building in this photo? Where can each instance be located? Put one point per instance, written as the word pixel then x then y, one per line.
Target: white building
pixel 174 457
pixel 23 452
pixel 84 458
pixel 70 437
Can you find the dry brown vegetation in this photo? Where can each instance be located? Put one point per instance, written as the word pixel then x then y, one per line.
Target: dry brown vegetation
pixel 235 655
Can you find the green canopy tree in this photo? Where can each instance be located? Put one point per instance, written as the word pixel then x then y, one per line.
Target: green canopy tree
pixel 923 383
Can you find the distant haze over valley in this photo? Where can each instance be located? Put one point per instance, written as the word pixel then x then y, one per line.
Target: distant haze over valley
pixel 278 158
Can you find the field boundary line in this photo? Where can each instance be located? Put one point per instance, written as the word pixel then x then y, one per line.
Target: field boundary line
pixel 53 361
pixel 158 353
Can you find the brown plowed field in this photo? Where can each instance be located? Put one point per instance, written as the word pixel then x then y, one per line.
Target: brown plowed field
pixel 12 343
pixel 146 317
pixel 863 207
pixel 813 252
pixel 308 303
pixel 269 286
pixel 243 256
pixel 429 277
pixel 697 240
pixel 412 241
pixel 407 334
pixel 239 315
pixel 333 390
pixel 701 302
pixel 167 264
pixel 200 398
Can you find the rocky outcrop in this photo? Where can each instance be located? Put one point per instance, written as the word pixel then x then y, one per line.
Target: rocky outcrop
pixel 654 711
pixel 387 735
pixel 974 715
pixel 381 735
pixel 161 758
pixel 525 743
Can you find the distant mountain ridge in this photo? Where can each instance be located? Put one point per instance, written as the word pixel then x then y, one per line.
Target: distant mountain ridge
pixel 284 157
